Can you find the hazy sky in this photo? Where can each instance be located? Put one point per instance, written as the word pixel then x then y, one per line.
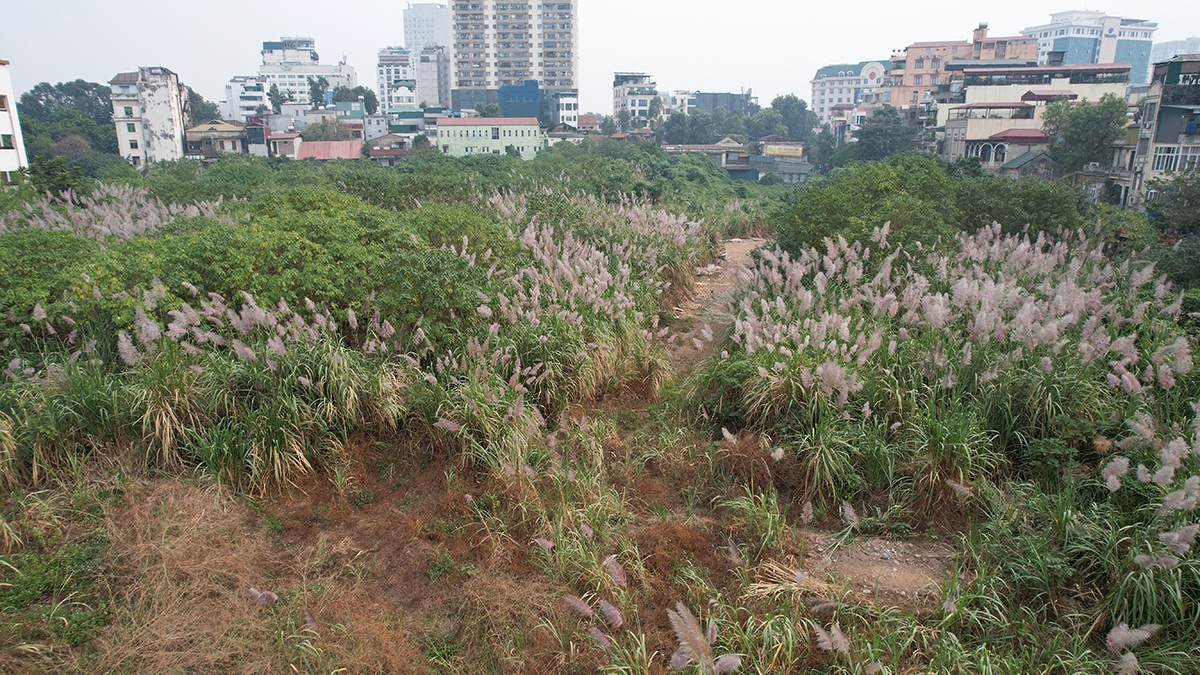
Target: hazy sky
pixel 770 46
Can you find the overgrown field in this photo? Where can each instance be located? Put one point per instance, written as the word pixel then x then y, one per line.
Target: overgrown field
pixel 279 417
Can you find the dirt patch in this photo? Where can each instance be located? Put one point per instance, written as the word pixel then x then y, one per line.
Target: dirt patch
pixel 708 307
pixel 881 571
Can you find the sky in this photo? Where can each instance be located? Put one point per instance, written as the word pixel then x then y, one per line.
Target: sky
pixel 771 47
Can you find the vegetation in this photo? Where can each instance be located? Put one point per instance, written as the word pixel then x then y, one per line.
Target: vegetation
pixel 464 415
pixel 1081 133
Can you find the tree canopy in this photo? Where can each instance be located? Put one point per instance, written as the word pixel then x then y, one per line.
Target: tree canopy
pixel 316 90
pixel 202 110
pixel 88 98
pixel 799 120
pixel 883 135
pixel 346 94
pixel 1081 133
pixel 327 130
pixel 489 110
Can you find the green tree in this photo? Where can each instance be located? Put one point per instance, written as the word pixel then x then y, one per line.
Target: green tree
pixel 277 98
pixel 202 110
pixel 766 122
pixel 820 150
pixel 346 94
pixel 1081 133
pixel 623 121
pixel 421 142
pixel 1176 208
pixel 327 130
pixel 489 110
pixel 656 110
pixel 54 175
pixel 316 90
pixel 608 127
pixel 89 98
pixel 882 135
pixel 799 120
pixel 261 110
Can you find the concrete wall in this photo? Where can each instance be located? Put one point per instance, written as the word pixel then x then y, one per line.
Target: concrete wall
pixel 11 159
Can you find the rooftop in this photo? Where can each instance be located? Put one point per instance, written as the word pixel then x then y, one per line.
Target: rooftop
pixel 1049 70
pixel 487 121
pixel 1020 135
pixel 326 150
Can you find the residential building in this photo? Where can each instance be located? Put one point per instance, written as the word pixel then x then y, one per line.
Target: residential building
pixel 566 109
pixel 1081 37
pixel 632 92
pixel 12 146
pixel 845 83
pixel 919 70
pixel 1169 138
pixel 285 145
pixel 500 43
pixel 588 124
pixel 208 141
pixel 725 152
pixel 1001 116
pixel 426 24
pixel 396 79
pixel 433 76
pixel 464 136
pixel 710 101
pixel 243 96
pixel 290 61
pixel 1165 51
pixel 680 101
pixel 150 107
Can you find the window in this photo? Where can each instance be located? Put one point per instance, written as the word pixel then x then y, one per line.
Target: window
pixel 1189 160
pixel 919 64
pixel 130 127
pixel 129 111
pixel 933 79
pixel 1166 158
pixel 3 103
pixel 495 133
pixel 133 145
pixel 917 80
pixel 6 142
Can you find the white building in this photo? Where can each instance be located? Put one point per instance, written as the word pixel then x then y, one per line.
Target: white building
pixel 396 80
pixel 12 146
pixel 845 84
pixel 433 75
pixel 150 109
pixel 498 43
pixel 633 92
pixel 1165 51
pixel 243 95
pixel 680 101
pixel 565 109
pixel 426 24
pixel 290 61
pixel 1080 37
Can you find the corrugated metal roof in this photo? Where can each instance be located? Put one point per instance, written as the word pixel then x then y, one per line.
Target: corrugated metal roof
pixel 123 78
pixel 326 150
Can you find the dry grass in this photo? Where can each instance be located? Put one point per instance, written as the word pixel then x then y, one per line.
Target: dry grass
pixel 187 557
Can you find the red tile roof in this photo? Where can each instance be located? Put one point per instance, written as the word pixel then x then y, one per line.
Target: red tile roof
pixel 486 121
pixel 326 150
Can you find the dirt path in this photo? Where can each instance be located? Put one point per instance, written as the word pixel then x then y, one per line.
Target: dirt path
pixel 709 305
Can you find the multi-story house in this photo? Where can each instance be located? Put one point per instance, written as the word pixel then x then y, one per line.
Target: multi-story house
pixel 426 24
pixel 1169 138
pixel 12 146
pixel 633 92
pixel 500 43
pixel 681 101
pixel 709 101
pixel 464 136
pixel 150 109
pixel 206 142
pixel 846 83
pixel 290 61
pixel 1081 37
pixel 243 96
pixel 566 109
pixel 1001 116
pixel 396 79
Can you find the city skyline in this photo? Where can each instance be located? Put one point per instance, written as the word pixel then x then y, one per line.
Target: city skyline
pixel 769 46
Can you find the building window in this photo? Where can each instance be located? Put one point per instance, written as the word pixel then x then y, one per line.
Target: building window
pixel 133 145
pixel 6 141
pixel 919 64
pixel 129 126
pixel 933 79
pixel 3 103
pixel 495 133
pixel 1166 158
pixel 1189 160
pixel 129 111
pixel 917 80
